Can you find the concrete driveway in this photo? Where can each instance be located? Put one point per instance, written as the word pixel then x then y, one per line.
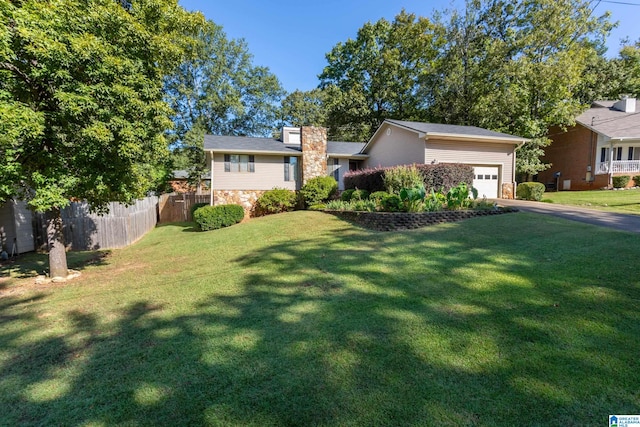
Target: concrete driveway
pixel 590 216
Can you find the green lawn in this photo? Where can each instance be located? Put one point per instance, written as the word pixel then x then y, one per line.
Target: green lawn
pixel 302 319
pixel 623 201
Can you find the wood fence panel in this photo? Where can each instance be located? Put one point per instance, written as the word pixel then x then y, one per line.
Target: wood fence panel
pixel 120 227
pixel 177 207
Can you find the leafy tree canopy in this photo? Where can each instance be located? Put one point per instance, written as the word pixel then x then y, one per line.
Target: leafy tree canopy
pixel 81 108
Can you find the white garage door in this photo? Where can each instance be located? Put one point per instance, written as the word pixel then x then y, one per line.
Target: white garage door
pixel 486 181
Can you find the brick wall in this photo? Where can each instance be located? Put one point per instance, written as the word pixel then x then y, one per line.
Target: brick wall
pixel 570 153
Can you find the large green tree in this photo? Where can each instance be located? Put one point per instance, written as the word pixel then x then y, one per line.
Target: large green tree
pixel 376 74
pixel 218 90
pixel 516 67
pixel 81 109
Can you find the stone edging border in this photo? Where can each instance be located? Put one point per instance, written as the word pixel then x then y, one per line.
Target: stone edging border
pixel 394 221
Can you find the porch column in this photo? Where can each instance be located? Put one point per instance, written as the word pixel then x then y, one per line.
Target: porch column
pixel 610 185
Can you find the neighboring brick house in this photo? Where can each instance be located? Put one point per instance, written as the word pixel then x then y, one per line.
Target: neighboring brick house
pixel 604 142
pixel 244 168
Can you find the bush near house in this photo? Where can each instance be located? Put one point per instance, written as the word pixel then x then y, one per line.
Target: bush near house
pixel 530 191
pixel 636 180
pixel 319 189
pixel 621 181
pixel 346 195
pixel 439 177
pixel 277 200
pixel 395 179
pixel 214 217
pixel 196 206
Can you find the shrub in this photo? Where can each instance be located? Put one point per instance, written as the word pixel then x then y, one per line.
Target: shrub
pixel 445 176
pixel 276 201
pixel 440 177
pixel 319 189
pixel 195 207
pixel 360 195
pixel 392 203
pixel 397 178
pixel 214 217
pixel 636 180
pixel 530 191
pixel 365 179
pixel 346 195
pixel 338 205
pixel 621 181
pixel 378 196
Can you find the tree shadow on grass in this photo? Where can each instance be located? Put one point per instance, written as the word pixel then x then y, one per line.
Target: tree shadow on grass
pixel 447 326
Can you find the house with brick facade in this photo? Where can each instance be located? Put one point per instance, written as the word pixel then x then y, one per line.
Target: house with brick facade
pixel 243 168
pixel 604 142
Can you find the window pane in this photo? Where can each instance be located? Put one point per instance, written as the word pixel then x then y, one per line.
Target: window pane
pixel 494 176
pixel 244 163
pixel 234 159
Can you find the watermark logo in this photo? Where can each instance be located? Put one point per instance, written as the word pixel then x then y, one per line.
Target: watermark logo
pixel 624 420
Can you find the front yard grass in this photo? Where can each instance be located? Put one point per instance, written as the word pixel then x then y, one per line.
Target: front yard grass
pixel 303 319
pixel 622 201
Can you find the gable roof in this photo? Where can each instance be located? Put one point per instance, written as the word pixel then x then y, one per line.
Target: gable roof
pixel 251 145
pixel 245 144
pixel 442 131
pixel 602 118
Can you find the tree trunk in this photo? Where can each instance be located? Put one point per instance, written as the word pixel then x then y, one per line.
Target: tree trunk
pixel 55 241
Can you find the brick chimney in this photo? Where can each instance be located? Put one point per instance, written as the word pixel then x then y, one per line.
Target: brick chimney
pixel 314 152
pixel 626 104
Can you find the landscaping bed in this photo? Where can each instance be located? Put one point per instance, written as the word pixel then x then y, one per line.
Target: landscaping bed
pixel 393 221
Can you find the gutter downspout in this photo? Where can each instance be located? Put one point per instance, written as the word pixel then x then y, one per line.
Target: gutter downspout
pixel 211 181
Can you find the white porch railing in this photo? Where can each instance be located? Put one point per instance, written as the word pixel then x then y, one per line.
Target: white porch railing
pixel 620 166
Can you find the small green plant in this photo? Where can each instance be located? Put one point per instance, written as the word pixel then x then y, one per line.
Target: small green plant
pixel 636 180
pixel 530 191
pixel 413 198
pixel 276 201
pixel 319 189
pixel 435 201
pixel 621 181
pixel 346 195
pixel 214 217
pixel 392 203
pixel 378 196
pixel 363 205
pixel 484 205
pixel 395 179
pixel 458 196
pixel 360 195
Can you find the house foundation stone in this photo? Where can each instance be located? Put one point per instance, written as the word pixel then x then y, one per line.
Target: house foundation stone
pixel 508 190
pixel 245 198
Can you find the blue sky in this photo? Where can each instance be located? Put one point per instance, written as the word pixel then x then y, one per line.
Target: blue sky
pixel 292 37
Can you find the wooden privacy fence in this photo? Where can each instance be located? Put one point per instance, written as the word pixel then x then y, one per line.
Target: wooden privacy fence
pixel 122 226
pixel 177 207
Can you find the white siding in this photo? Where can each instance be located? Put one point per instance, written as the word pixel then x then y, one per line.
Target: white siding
pixel 269 173
pixel 473 153
pixel 401 147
